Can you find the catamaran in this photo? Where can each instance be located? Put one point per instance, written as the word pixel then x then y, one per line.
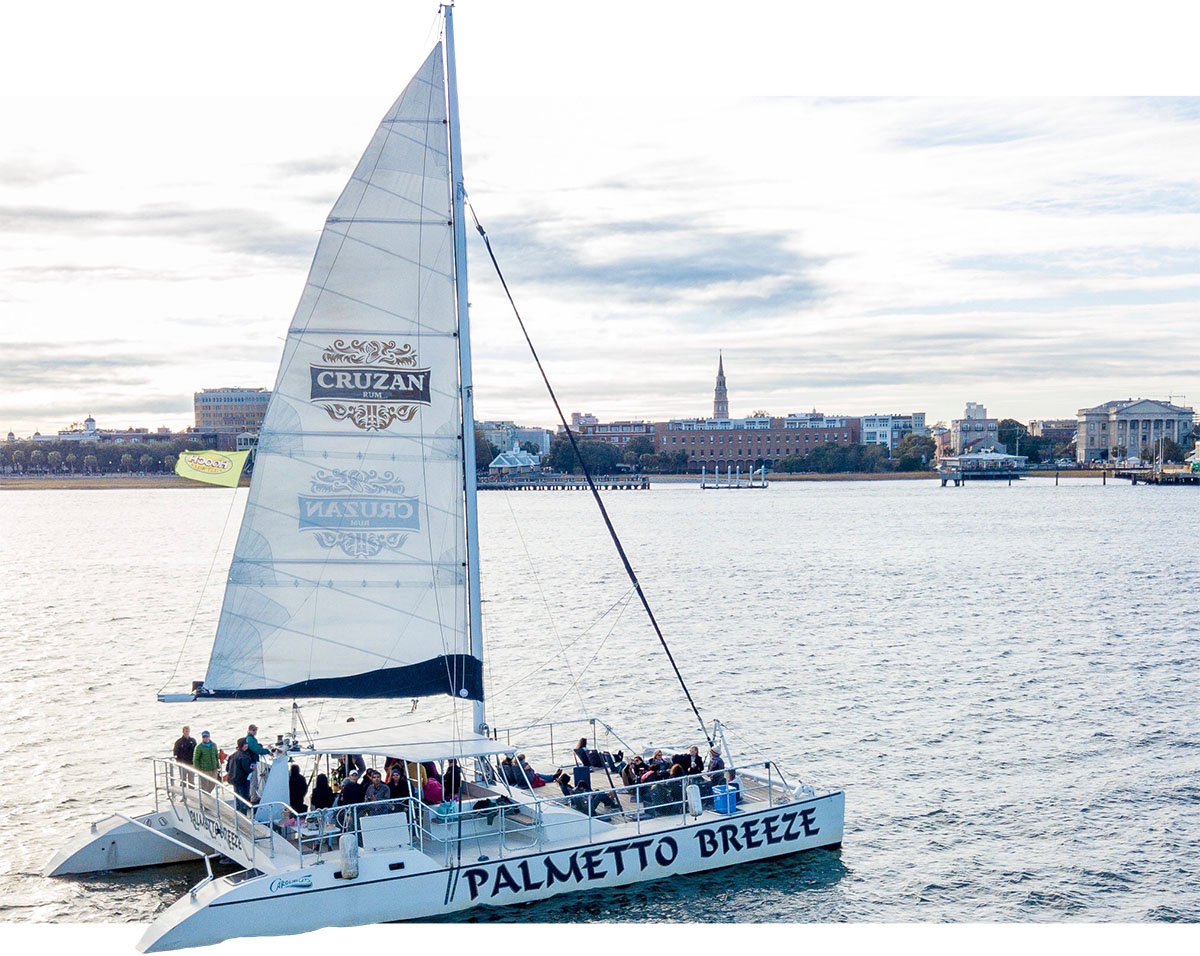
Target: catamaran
pixel 356 575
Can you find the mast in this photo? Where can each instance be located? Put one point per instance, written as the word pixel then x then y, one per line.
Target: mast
pixel 464 360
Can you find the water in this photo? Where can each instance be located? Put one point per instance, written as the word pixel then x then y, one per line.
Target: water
pixel 1001 678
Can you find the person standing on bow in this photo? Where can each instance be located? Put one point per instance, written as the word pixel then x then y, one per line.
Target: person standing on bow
pixel 185 746
pixel 207 760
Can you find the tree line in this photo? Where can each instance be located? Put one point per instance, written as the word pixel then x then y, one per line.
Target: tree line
pixel 91 458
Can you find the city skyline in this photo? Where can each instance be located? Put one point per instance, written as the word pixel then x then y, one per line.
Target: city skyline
pixel 853 254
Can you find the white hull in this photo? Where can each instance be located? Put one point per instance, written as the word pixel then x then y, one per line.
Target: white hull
pixel 406 883
pixel 120 844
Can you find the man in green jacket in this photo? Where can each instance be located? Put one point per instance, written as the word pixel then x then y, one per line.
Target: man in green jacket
pixel 206 759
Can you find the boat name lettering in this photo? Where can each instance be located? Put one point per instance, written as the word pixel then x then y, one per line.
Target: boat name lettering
pixel 580 866
pixel 294 883
pixel 215 829
pixel 751 834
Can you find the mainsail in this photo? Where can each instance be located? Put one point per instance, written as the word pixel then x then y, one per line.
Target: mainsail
pixel 349 575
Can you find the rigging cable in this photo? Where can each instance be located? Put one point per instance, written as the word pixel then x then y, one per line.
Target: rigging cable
pixel 588 475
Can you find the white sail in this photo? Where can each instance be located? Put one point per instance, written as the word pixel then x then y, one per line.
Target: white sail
pixel 348 578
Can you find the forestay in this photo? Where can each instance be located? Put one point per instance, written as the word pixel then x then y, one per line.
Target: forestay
pixel 348 578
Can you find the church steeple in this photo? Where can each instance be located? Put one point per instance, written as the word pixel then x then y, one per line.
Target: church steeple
pixel 720 395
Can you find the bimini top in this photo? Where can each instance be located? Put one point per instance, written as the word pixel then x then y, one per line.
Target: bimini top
pixel 420 742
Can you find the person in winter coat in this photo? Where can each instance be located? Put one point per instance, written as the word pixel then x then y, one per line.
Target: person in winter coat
pixel 322 793
pixel 297 789
pixel 242 769
pixel 185 746
pixel 207 760
pixel 352 790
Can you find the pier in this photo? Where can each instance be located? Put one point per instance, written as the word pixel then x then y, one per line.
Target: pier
pixel 564 483
pixel 731 480
pixel 1151 476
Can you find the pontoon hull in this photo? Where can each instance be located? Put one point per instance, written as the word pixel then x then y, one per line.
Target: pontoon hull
pixel 117 844
pixel 313 897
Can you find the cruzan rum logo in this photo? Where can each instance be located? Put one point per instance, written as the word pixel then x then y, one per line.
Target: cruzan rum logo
pixel 369 383
pixel 362 513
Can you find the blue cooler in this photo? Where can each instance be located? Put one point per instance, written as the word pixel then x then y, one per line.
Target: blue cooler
pixel 725 799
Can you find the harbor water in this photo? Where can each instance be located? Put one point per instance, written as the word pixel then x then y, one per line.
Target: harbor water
pixel 1002 679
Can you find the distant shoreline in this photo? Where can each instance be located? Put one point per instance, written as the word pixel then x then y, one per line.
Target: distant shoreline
pixel 103 482
pixel 108 482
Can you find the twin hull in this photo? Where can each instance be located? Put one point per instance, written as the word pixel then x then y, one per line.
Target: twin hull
pixel 407 884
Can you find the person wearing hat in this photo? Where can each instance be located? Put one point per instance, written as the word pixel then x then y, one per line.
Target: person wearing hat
pixel 253 746
pixel 352 790
pixel 206 759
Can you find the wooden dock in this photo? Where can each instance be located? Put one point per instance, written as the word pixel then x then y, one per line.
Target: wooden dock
pixel 564 483
pixel 1168 476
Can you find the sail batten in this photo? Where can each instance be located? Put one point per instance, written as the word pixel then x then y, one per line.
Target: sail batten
pixel 359 466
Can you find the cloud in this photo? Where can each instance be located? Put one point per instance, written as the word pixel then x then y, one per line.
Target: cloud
pixel 244 231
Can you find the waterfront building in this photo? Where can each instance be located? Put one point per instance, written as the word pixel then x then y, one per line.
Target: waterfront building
pixel 588 428
pixel 752 442
pixel 975 432
pixel 514 462
pixel 88 432
pixel 1061 431
pixel 1130 427
pixel 503 434
pixel 231 409
pixel 888 430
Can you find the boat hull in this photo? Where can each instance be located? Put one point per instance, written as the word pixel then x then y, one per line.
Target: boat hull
pixel 119 844
pixel 407 884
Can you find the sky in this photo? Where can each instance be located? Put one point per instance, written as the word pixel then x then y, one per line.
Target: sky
pixel 865 209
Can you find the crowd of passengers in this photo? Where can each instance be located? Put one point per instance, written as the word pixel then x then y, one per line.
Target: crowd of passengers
pixel 657 783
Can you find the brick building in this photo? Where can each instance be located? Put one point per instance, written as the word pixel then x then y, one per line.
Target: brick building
pixel 752 442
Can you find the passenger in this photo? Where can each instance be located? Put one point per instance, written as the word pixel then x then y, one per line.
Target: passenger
pixel 733 783
pixel 431 769
pixel 632 771
pixel 352 790
pixel 535 779
pixel 582 754
pixel 377 790
pixel 658 761
pixel 185 746
pixel 416 775
pixel 509 772
pixel 451 779
pixel 242 770
pixel 297 789
pixel 207 759
pixel 322 793
pixel 432 792
pixel 398 784
pixel 715 763
pixel 692 762
pixel 253 746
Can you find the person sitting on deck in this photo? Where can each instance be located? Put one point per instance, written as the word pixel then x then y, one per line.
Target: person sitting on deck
pixel 377 791
pixel 534 778
pixel 658 761
pixel 632 772
pixel 352 790
pixel 509 771
pixel 432 792
pixel 715 764
pixel 583 798
pixel 582 754
pixel 692 764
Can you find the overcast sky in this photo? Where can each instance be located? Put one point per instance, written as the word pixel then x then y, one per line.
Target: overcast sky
pixel 660 182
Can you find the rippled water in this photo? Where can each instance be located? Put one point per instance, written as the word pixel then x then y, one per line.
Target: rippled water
pixel 1003 679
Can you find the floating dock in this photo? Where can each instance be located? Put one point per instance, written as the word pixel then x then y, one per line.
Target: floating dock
pixel 731 480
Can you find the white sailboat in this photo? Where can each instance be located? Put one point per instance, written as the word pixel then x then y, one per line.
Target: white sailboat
pixel 356 575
